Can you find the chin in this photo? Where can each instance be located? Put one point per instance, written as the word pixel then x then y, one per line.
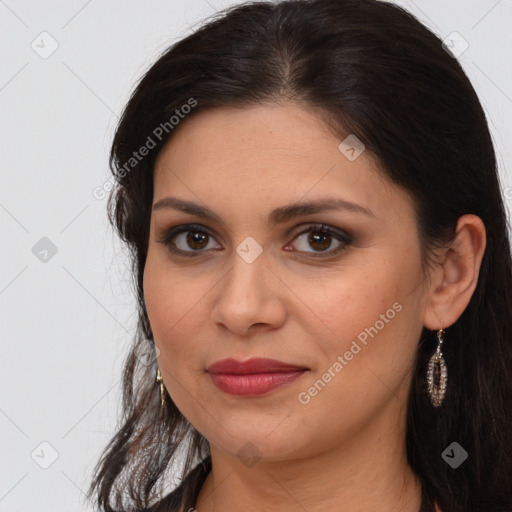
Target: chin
pixel 254 440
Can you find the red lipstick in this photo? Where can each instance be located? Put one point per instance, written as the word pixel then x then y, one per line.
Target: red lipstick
pixel 253 377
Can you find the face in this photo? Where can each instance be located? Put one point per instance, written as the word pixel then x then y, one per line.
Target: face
pixel 342 302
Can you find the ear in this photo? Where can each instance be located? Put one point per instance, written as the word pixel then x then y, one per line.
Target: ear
pixel 454 279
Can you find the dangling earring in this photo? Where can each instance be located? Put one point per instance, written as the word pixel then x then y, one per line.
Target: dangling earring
pixel 437 374
pixel 160 380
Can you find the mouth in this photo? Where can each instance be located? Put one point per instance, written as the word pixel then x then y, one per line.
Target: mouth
pixel 254 377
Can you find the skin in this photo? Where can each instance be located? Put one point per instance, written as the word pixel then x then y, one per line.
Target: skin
pixel 347 444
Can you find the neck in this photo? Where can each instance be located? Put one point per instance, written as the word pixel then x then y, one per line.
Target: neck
pixel 366 472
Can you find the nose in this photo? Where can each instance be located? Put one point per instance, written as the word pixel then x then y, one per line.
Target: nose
pixel 249 298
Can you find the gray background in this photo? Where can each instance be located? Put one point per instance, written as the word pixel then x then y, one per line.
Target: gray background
pixel 66 322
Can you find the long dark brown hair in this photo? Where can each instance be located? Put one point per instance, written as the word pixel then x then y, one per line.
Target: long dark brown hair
pixel 371 69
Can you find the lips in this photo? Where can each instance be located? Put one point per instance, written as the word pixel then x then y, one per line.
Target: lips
pixel 257 365
pixel 253 377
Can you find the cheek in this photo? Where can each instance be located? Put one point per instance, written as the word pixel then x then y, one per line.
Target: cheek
pixel 168 295
pixel 172 317
pixel 355 300
pixel 366 367
pixel 376 323
pixel 175 305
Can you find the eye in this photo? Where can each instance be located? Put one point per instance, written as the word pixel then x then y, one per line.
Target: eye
pixel 320 238
pixel 196 238
pixel 180 239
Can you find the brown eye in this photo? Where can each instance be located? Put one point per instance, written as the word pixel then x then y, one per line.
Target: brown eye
pixel 187 240
pixel 321 239
pixel 196 240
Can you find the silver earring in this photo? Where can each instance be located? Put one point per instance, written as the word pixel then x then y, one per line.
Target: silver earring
pixel 160 380
pixel 437 373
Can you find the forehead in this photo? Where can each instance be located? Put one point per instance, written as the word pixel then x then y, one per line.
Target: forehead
pixel 271 153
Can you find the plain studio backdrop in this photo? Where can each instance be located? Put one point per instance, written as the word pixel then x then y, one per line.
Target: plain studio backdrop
pixel 65 293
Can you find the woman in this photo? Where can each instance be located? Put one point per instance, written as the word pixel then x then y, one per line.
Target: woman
pixel 320 250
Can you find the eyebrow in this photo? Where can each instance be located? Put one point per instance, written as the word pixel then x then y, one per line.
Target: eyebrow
pixel 276 216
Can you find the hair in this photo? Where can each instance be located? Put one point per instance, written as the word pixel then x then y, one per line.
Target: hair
pixel 371 69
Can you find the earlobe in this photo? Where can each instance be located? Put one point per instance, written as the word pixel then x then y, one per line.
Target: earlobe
pixel 456 276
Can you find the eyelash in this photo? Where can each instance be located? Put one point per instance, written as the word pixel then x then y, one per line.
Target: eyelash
pixel 197 228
